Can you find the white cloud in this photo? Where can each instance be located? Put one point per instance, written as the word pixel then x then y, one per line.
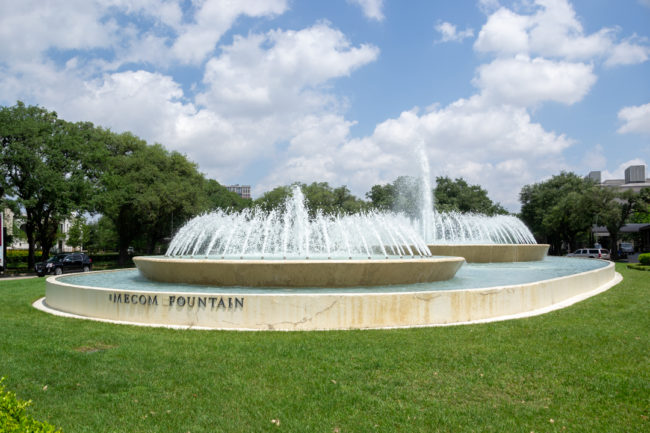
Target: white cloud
pixel 524 81
pixel 636 119
pixel 372 9
pixel 448 32
pixel 645 3
pixel 498 147
pixel 267 105
pixel 627 53
pixel 488 6
pixel 505 32
pixel 554 30
pixel 280 71
pixel 40 25
pixel 213 19
pixel 116 26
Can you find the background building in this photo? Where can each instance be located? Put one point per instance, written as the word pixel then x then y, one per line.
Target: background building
pixel 635 179
pixel 244 191
pixel 13 222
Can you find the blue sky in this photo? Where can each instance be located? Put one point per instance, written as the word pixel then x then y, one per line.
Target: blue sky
pixel 267 92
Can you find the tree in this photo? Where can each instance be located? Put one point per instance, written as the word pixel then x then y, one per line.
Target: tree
pixel 615 209
pixel 642 212
pixel 40 160
pixel 146 191
pixel 102 235
pixel 273 199
pixel 560 209
pixel 319 197
pixel 77 233
pixel 218 197
pixel 457 195
pixel 382 197
pixel 405 195
pixel 402 195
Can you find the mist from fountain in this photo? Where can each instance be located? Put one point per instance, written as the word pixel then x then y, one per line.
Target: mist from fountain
pixel 290 233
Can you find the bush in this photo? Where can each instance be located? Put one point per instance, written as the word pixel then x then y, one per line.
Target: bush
pixel 16 258
pixel 13 416
pixel 104 257
pixel 644 259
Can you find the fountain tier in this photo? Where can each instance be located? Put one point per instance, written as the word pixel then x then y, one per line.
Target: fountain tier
pixel 298 273
pixel 492 253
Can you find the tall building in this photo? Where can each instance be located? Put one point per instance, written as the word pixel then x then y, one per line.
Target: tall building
pixel 244 191
pixel 635 179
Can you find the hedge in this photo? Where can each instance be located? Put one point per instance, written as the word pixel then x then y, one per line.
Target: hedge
pixel 15 419
pixel 644 259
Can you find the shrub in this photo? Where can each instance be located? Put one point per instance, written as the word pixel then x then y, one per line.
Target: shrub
pixel 13 416
pixel 644 259
pixel 16 258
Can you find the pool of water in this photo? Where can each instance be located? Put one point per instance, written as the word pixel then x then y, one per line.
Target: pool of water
pixel 470 276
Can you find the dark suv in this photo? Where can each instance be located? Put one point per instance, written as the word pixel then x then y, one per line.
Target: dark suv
pixel 60 263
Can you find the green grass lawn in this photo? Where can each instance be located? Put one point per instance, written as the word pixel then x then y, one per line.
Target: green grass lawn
pixel 582 369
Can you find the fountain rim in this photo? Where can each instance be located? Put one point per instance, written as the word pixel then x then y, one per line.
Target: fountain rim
pixel 224 289
pixel 334 311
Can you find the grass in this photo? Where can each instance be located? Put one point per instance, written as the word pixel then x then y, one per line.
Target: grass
pixel 581 369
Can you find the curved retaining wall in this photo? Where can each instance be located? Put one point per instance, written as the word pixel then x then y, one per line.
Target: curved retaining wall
pixel 492 253
pixel 301 311
pixel 298 273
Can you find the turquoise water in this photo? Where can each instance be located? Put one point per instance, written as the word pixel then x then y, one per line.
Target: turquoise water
pixel 470 276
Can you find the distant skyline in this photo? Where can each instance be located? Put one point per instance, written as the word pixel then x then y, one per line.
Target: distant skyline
pixel 267 92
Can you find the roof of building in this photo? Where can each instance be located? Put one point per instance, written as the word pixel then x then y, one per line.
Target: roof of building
pixel 627 228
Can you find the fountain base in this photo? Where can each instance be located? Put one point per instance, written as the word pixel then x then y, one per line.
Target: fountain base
pixel 492 253
pixel 224 308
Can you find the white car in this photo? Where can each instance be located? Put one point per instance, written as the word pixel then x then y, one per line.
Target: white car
pixel 592 253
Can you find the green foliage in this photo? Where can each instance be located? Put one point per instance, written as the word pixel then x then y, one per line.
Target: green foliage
pixel 319 197
pixel 642 210
pixel 559 209
pixel 404 195
pixel 457 195
pixel 102 235
pixel 273 199
pixel 40 158
pixel 614 209
pixel 79 232
pixel 218 197
pixel 146 191
pixel 644 259
pixel 14 417
pixel 382 197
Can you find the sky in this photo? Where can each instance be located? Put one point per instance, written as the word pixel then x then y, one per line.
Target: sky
pixel 270 92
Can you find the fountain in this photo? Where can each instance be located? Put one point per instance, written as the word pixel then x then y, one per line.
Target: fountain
pixel 287 248
pixel 476 237
pixel 287 270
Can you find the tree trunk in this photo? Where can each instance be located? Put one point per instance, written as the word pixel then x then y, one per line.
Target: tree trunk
pixel 124 255
pixel 613 251
pixel 31 242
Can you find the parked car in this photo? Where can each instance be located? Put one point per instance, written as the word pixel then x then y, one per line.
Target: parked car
pixel 592 253
pixel 64 263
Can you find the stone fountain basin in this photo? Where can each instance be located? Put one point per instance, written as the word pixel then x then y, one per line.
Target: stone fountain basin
pixel 474 295
pixel 299 273
pixel 492 253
